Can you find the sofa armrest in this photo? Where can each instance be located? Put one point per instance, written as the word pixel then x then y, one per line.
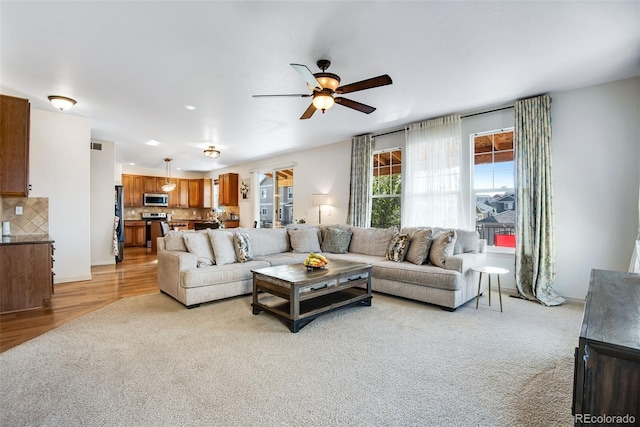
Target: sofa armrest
pixel 463 262
pixel 170 263
pixel 482 246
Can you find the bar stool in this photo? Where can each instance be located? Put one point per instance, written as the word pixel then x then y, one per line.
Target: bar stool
pixel 490 270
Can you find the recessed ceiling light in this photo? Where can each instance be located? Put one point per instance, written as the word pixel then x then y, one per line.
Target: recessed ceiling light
pixel 153 142
pixel 178 169
pixel 132 164
pixel 189 107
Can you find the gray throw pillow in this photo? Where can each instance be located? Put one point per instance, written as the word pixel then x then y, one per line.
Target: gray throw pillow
pixel 398 247
pixel 223 247
pixel 173 241
pixel 336 240
pixel 242 246
pixel 442 246
pixel 419 246
pixel 304 240
pixel 198 244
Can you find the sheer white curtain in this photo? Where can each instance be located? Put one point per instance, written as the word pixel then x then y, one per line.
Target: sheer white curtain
pixel 432 193
pixel 634 267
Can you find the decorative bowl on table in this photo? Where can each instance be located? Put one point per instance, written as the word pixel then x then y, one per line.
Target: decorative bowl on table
pixel 315 261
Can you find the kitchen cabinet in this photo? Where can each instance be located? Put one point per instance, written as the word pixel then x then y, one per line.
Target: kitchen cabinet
pixel 14 146
pixel 179 197
pixel 607 361
pixel 231 224
pixel 26 281
pixel 153 184
pixel 200 193
pixel 135 233
pixel 228 189
pixel 133 188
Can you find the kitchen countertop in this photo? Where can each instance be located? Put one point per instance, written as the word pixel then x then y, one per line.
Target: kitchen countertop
pixel 26 239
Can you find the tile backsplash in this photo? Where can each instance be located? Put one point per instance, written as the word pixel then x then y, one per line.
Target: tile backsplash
pixel 34 218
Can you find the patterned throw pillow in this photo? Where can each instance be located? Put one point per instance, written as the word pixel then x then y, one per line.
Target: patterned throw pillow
pixel 336 240
pixel 198 244
pixel 398 247
pixel 304 240
pixel 419 247
pixel 242 245
pixel 442 247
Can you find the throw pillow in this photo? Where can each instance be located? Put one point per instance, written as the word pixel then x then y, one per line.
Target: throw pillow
pixel 242 245
pixel 419 247
pixel 223 247
pixel 442 247
pixel 173 241
pixel 198 244
pixel 304 240
pixel 336 240
pixel 398 247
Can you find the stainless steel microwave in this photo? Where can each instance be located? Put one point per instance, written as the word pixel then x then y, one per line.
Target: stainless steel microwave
pixel 153 199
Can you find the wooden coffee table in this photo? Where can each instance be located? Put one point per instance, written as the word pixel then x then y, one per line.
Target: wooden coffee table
pixel 298 295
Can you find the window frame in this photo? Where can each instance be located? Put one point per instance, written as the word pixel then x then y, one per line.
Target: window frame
pixel 391 167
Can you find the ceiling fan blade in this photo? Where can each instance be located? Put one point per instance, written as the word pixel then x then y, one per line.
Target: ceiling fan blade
pixel 367 109
pixel 309 112
pixel 366 84
pixel 295 95
pixel 307 76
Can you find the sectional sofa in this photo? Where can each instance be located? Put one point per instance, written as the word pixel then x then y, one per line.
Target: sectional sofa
pixel 426 264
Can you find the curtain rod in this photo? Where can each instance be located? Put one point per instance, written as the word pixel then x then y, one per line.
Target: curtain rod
pixel 462 117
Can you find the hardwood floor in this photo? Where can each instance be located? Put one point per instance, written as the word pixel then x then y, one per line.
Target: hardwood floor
pixel 135 275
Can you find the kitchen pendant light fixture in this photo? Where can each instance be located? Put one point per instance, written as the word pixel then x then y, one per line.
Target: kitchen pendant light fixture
pixel 211 152
pixel 62 102
pixel 168 186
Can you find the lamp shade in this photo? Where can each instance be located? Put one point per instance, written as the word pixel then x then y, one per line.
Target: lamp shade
pixel 323 101
pixel 62 102
pixel 319 199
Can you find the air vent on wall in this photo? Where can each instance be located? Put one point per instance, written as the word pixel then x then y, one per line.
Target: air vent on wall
pixel 96 146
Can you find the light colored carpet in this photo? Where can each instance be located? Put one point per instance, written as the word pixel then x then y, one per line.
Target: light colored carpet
pixel 148 361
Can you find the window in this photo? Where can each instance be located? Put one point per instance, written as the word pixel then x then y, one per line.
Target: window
pixel 290 193
pixel 264 211
pixel 386 188
pixel 493 186
pixel 276 198
pixel 263 193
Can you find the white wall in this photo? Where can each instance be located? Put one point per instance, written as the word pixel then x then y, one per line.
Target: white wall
pixel 102 203
pixel 60 170
pixel 596 152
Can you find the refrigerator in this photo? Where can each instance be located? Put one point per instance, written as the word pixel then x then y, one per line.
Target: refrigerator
pixel 118 235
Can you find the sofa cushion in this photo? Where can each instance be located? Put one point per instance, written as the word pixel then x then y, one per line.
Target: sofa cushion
pixel 242 246
pixel 219 274
pixel 371 241
pixel 304 240
pixel 267 241
pixel 419 246
pixel 397 248
pixel 336 240
pixel 466 242
pixel 198 244
pixel 222 245
pixel 173 241
pixel 442 246
pixel 284 258
pixel 424 275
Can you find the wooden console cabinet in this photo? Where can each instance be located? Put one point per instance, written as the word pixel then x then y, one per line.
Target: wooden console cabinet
pixel 607 360
pixel 26 263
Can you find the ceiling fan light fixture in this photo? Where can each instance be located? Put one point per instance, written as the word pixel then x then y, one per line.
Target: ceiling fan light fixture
pixel 323 101
pixel 62 102
pixel 211 152
pixel 328 80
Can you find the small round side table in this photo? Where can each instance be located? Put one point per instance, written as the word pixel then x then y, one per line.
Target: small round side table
pixel 489 270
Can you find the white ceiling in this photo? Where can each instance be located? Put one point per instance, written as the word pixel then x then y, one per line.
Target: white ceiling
pixel 134 66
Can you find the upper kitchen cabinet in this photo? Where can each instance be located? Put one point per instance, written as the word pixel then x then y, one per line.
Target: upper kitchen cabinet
pixel 200 193
pixel 153 184
pixel 14 146
pixel 228 189
pixel 179 197
pixel 133 188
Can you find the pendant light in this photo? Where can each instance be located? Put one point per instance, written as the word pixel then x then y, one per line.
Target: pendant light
pixel 211 152
pixel 168 186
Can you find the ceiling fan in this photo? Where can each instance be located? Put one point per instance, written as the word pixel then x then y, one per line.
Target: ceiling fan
pixel 325 86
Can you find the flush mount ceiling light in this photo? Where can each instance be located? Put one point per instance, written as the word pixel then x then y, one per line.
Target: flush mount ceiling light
pixel 62 102
pixel 211 152
pixel 168 186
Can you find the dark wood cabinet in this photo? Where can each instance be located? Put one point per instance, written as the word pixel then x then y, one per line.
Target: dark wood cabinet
pixel 200 193
pixel 228 189
pixel 135 233
pixel 607 360
pixel 14 146
pixel 26 281
pixel 133 188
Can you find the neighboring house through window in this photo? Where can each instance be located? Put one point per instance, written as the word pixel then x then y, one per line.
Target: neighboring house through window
pixel 493 186
pixel 386 188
